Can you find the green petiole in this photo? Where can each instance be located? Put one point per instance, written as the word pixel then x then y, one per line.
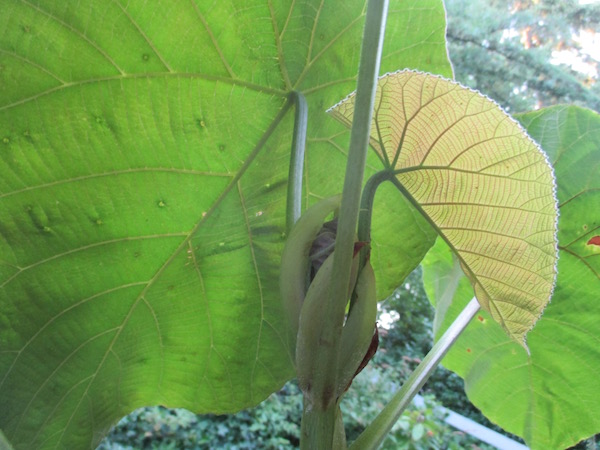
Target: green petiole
pixel 294 192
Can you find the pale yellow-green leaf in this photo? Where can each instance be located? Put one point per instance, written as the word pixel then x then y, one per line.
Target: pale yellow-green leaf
pixel 482 183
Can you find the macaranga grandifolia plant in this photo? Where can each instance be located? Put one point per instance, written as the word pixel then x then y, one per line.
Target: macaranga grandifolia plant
pixel 146 202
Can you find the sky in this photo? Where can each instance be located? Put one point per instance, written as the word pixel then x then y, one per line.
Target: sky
pixel 590 45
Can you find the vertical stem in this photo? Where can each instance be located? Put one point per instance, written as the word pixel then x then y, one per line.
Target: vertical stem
pixel 317 427
pixel 319 418
pixel 322 429
pixel 375 433
pixel 348 218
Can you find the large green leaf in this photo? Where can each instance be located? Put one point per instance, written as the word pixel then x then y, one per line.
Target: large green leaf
pixel 482 183
pixel 550 398
pixel 143 166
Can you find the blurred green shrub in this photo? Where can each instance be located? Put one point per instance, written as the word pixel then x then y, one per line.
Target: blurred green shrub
pixel 275 424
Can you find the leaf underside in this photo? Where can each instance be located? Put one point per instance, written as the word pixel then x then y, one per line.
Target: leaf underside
pixel 481 182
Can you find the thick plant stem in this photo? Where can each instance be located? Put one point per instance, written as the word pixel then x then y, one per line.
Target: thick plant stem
pixel 322 429
pixel 324 384
pixel 375 433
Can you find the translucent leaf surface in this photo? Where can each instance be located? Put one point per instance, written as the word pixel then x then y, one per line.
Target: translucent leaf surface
pixel 144 153
pixel 550 398
pixel 482 183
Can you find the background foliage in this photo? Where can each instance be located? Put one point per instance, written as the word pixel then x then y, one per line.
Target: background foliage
pixel 505 49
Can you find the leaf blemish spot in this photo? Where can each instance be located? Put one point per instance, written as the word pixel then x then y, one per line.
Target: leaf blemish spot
pixel 161 204
pixel 221 147
pixel 481 319
pixel 6 140
pixel 594 241
pixel 145 57
pixel 468 350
